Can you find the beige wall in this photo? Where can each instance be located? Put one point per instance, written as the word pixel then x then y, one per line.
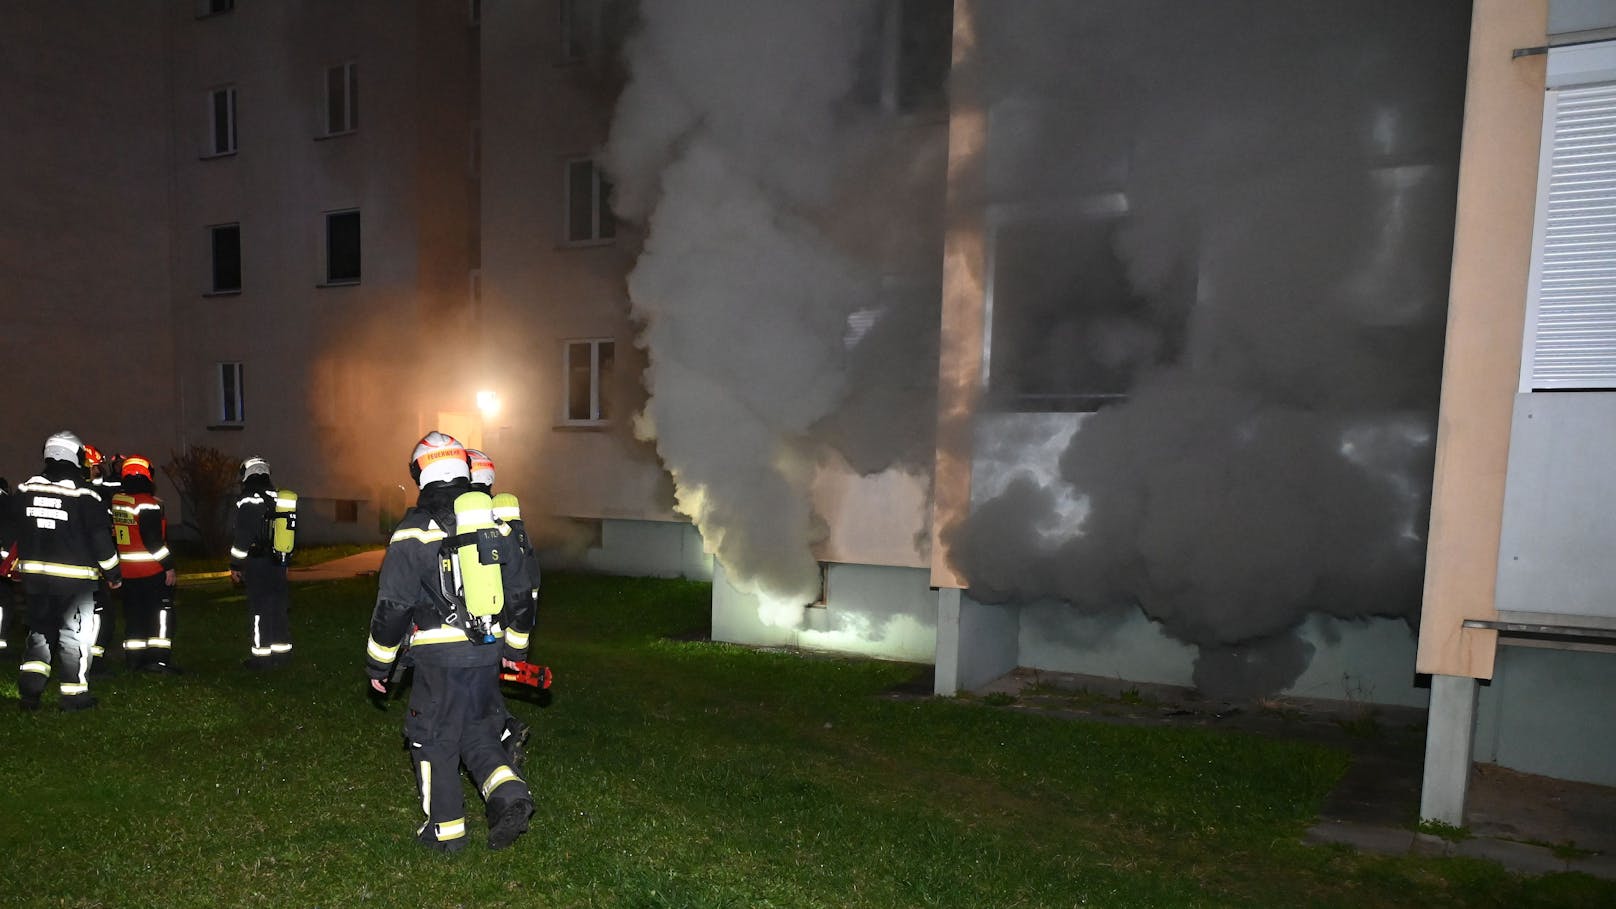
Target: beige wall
pixel 83 242
pixel 336 377
pixel 539 111
pixel 1486 317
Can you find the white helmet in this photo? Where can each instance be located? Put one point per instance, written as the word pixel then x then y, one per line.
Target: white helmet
pixel 482 467
pixel 64 446
pixel 438 457
pixel 252 467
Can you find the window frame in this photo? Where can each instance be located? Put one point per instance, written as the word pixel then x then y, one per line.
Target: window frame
pixel 600 212
pixel 328 279
pixel 214 290
pixel 230 383
pixel 350 99
pixel 597 393
pixel 211 147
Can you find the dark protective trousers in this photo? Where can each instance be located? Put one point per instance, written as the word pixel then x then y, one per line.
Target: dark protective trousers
pixel 8 610
pixel 148 618
pixel 456 718
pixel 106 621
pixel 268 602
pixel 61 624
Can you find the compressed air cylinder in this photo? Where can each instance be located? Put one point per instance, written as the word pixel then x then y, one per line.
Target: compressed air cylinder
pixel 283 526
pixel 480 579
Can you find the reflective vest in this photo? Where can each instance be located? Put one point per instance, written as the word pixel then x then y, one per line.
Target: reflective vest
pixel 137 559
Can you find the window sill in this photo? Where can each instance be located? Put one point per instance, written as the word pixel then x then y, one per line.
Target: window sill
pixel 346 132
pixel 227 427
pixel 587 244
pixel 214 156
pixel 222 293
pixel 353 283
pixel 593 426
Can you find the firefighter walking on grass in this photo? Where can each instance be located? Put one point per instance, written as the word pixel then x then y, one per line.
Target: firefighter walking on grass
pixel 141 533
pixel 64 538
pixel 260 551
pixel 454 575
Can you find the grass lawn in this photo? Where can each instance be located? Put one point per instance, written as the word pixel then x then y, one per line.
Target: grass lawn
pixel 667 774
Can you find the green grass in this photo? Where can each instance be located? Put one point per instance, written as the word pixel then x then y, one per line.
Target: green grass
pixel 668 774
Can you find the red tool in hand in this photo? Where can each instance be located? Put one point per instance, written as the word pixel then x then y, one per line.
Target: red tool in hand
pixel 525 673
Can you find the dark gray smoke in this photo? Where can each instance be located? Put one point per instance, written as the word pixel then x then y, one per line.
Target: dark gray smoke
pixel 1218 243
pixel 1230 225
pixel 778 207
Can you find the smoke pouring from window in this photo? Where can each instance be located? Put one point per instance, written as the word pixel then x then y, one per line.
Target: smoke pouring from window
pixel 1219 240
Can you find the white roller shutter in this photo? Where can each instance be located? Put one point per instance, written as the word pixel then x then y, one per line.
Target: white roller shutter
pixel 1574 272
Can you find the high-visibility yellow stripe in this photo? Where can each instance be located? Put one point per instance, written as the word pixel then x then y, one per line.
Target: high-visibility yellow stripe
pixel 379 653
pixel 451 830
pixel 58 488
pixel 501 775
pixel 135 644
pixel 420 536
pixel 56 570
pixel 74 688
pixel 159 643
pixel 109 563
pixel 36 666
pixel 157 556
pixel 237 553
pixel 261 651
pixel 280 648
pixel 445 635
pixel 517 639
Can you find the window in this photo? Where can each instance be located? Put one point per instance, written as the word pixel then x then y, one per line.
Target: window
pixel 1067 329
pixel 578 19
pixel 226 248
pixel 592 28
pixel 222 121
pixel 206 8
pixel 342 247
pixel 232 402
pixel 589 218
pixel 346 511
pixel 1571 305
pixel 586 373
pixel 341 99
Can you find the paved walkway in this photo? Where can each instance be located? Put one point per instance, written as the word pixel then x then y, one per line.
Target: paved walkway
pixel 1527 823
pixel 365 563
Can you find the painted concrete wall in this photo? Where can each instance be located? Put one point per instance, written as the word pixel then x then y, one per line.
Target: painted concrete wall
pixel 659 549
pixel 1560 507
pixel 870 610
pixel 1549 712
pixel 1370 662
pixel 1486 313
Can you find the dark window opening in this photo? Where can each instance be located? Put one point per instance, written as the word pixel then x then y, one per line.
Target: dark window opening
pixel 346 511
pixel 226 242
pixel 342 247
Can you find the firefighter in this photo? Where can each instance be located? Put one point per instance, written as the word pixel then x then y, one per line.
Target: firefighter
pixel 64 535
pixel 434 580
pixel 106 615
pixel 256 564
pixel 141 533
pixel 514 733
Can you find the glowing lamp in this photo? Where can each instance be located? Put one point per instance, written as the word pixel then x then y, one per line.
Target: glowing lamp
pixel 488 403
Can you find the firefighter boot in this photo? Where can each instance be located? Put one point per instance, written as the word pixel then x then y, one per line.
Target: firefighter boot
pixel 507 821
